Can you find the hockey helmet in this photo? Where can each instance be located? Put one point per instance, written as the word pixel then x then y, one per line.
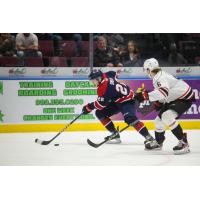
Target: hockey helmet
pixel 151 64
pixel 95 74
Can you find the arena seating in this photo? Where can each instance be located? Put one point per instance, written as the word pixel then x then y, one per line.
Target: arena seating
pixel 33 62
pixel 189 50
pixel 63 53
pixel 68 48
pixel 9 61
pixel 79 61
pixel 58 62
pixel 46 47
pixel 85 49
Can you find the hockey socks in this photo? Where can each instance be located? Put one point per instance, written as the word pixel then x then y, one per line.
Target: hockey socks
pixel 178 132
pixel 160 137
pixel 108 124
pixel 141 128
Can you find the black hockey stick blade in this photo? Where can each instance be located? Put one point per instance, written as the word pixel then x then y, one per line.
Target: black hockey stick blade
pixel 43 142
pixel 92 144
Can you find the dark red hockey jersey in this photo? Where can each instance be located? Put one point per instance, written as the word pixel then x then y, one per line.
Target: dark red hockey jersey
pixel 111 90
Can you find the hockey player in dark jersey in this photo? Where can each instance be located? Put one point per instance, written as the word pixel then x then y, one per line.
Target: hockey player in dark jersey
pixel 115 97
pixel 173 97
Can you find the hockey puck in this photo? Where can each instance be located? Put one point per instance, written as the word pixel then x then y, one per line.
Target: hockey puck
pixel 56 144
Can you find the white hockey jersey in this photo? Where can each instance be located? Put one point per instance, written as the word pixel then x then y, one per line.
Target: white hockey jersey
pixel 167 88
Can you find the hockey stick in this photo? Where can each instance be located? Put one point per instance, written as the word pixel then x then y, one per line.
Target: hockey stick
pixel 43 142
pixel 105 140
pixel 144 113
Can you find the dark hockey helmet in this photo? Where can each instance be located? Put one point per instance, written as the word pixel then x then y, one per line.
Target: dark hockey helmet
pixel 95 74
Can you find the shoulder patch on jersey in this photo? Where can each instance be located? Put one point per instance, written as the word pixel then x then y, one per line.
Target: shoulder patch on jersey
pixel 103 86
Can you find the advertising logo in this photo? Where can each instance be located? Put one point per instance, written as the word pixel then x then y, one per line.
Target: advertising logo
pixel 184 70
pixel 17 71
pixel 81 71
pixel 49 71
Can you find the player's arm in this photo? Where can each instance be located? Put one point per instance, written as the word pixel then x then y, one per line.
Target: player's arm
pixel 158 94
pixel 101 101
pixel 99 104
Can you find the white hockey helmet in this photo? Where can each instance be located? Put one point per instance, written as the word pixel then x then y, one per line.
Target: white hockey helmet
pixel 151 64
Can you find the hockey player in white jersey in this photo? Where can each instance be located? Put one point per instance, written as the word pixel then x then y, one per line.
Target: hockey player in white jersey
pixel 172 98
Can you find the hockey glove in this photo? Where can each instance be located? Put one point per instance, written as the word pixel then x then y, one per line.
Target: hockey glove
pixel 142 96
pixel 87 109
pixel 157 105
pixel 140 89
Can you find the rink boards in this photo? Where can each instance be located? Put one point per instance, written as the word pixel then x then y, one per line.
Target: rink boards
pixel 29 104
pixel 18 128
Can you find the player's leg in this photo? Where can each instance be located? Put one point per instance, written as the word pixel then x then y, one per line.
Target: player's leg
pixel 104 117
pixel 160 131
pixel 128 111
pixel 169 117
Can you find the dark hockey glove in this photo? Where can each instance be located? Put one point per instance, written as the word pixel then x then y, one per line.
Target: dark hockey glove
pixel 87 109
pixel 158 105
pixel 142 96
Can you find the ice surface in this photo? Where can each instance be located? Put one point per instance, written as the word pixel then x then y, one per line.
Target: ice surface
pixel 20 149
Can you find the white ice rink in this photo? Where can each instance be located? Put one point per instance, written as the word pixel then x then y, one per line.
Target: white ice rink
pixel 20 149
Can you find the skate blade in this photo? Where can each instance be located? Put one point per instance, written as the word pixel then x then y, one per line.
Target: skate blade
pixel 116 141
pixel 183 151
pixel 156 149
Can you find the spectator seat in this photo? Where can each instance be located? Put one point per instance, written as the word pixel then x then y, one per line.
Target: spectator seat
pixel 46 47
pixel 57 62
pixel 79 61
pixel 33 62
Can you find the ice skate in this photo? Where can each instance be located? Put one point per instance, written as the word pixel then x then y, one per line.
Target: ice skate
pixel 160 140
pixel 114 139
pixel 151 143
pixel 182 147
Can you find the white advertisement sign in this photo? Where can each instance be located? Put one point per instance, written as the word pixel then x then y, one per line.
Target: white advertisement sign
pixel 44 101
pixel 84 71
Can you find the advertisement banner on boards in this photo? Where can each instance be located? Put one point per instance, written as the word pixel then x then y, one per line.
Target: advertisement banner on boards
pixel 75 72
pixel 49 101
pixel 59 101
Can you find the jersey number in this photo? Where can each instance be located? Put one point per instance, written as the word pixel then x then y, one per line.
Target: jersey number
pixel 158 84
pixel 121 89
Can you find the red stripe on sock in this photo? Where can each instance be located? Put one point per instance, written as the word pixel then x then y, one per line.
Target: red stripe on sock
pixel 139 126
pixel 105 121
